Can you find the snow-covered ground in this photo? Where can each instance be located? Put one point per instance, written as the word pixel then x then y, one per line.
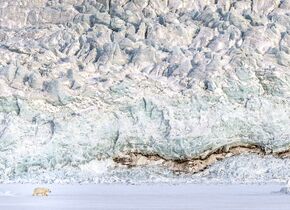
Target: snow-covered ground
pixel 199 197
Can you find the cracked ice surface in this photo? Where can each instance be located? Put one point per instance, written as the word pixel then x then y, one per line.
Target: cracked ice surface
pixel 82 81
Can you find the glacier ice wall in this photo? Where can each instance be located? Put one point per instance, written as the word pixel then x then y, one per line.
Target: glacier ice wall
pixel 87 80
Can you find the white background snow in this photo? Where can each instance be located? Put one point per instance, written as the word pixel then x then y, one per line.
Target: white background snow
pixel 169 197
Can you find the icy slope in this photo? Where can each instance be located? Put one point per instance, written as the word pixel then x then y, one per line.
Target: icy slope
pixel 89 80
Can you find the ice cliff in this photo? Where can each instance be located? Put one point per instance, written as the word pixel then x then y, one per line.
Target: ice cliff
pixel 132 82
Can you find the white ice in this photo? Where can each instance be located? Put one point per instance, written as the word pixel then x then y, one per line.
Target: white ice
pixel 175 197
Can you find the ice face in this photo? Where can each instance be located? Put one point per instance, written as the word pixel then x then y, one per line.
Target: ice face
pixel 84 81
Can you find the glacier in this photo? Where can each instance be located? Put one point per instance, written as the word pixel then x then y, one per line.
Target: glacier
pixel 98 90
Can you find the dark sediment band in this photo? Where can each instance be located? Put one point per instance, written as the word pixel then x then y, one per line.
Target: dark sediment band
pixel 200 162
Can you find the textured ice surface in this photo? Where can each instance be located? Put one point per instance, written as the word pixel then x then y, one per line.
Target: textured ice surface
pixel 241 169
pixel 88 80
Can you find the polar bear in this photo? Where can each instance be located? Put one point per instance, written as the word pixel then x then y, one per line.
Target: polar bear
pixel 41 191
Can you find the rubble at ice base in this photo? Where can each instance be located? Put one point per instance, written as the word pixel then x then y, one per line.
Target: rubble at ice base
pixel 99 90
